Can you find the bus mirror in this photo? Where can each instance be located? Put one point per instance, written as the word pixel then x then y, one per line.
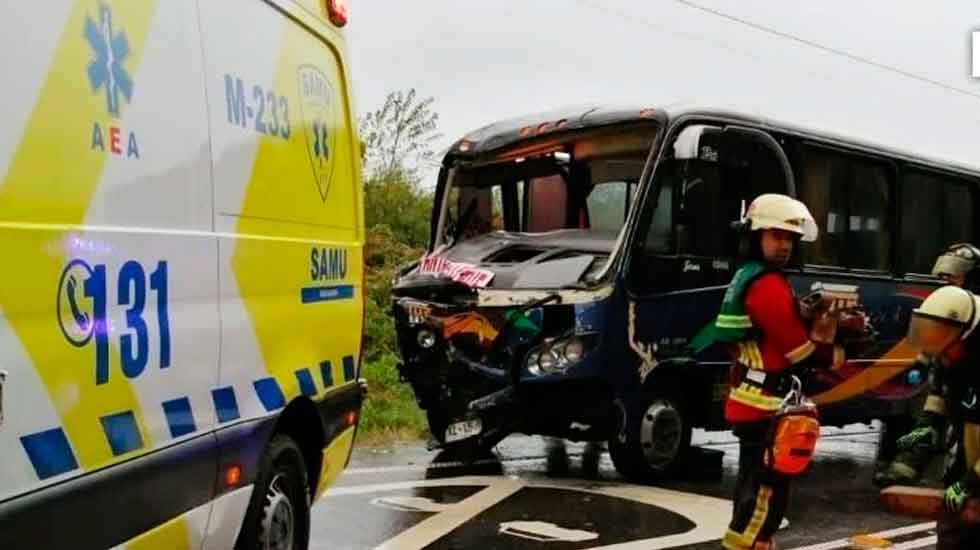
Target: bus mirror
pixel 698 142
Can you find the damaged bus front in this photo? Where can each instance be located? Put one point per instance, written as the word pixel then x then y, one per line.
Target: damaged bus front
pixel 500 325
pixel 574 255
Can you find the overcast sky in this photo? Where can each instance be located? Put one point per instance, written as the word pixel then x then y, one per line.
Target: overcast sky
pixel 487 60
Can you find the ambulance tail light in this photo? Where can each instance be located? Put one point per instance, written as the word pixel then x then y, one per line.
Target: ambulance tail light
pixel 337 12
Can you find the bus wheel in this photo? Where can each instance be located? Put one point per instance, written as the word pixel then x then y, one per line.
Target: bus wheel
pixel 655 442
pixel 278 516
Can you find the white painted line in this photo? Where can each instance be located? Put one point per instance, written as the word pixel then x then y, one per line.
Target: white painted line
pixel 918 543
pixel 411 504
pixel 435 527
pixel 896 532
pixel 709 514
pixel 399 485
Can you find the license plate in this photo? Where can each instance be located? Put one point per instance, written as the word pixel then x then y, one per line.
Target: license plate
pixel 464 429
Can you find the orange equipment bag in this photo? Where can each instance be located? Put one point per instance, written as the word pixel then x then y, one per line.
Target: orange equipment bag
pixel 794 435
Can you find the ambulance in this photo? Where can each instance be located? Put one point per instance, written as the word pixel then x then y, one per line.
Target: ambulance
pixel 181 297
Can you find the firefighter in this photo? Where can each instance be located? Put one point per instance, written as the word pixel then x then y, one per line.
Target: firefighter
pixel 943 328
pixel 956 266
pixel 761 324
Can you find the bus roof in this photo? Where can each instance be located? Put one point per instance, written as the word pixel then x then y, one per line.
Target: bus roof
pixel 535 127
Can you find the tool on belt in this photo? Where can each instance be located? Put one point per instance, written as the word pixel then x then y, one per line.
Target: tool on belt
pixel 794 432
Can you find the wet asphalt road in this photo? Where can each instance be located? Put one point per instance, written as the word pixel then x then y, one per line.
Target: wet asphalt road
pixel 536 493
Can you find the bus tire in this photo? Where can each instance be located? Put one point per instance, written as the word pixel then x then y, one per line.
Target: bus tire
pixel 278 516
pixel 656 441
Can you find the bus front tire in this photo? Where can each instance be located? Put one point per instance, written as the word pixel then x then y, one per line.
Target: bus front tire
pixel 655 442
pixel 278 516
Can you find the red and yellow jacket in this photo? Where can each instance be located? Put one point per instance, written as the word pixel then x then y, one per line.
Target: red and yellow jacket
pixel 776 345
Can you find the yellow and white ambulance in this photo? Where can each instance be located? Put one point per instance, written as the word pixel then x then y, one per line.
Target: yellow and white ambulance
pixel 181 297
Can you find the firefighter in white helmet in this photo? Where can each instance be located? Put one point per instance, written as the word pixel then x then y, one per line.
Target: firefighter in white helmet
pixel 957 265
pixel 944 328
pixel 768 340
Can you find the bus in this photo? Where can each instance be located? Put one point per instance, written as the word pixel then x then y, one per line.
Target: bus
pixel 574 254
pixel 181 306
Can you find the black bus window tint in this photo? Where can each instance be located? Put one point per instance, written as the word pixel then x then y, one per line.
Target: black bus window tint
pixel 823 188
pixel 869 221
pixel 706 208
pixel 607 206
pixel 936 211
pixel 659 235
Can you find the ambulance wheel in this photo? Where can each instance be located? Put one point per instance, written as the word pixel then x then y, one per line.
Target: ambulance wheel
pixel 655 442
pixel 278 516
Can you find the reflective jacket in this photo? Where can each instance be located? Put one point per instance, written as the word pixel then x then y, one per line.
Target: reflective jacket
pixel 767 340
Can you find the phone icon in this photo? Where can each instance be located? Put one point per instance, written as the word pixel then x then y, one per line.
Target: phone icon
pixel 73 307
pixel 81 318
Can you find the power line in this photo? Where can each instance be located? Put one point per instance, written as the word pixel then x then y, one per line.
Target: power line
pixel 781 34
pixel 827 49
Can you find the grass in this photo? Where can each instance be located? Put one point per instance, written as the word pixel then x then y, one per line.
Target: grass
pixel 390 412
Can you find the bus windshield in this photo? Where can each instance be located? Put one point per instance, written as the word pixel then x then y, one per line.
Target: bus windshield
pixel 586 186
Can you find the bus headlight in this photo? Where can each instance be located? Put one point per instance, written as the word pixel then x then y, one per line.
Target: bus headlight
pixel 556 355
pixel 426 339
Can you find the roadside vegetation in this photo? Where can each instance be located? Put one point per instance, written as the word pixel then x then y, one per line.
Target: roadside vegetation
pixel 398 145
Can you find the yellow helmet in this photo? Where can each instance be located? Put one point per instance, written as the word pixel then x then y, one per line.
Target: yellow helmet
pixel 774 211
pixel 948 314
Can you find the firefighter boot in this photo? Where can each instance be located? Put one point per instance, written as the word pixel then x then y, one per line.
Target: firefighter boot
pixel 906 468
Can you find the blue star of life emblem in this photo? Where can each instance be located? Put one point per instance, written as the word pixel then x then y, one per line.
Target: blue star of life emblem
pixel 111 49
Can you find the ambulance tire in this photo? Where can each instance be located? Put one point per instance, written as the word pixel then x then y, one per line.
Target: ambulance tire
pixel 656 441
pixel 278 516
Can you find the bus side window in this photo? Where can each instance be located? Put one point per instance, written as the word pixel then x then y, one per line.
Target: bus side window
pixel 850 198
pixel 937 211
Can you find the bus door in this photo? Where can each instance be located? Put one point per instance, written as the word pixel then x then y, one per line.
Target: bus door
pixel 683 251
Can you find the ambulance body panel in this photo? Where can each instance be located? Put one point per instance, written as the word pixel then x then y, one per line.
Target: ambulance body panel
pixel 181 223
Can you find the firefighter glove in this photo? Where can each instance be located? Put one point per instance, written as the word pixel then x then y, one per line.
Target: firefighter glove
pixel 921 436
pixel 955 496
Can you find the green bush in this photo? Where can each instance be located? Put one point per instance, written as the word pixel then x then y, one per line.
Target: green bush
pixel 390 411
pixel 398 224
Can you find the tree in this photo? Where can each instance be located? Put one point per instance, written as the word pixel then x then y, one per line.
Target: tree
pixel 399 136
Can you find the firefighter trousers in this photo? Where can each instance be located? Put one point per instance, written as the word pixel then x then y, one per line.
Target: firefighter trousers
pixel 761 495
pixel 954 534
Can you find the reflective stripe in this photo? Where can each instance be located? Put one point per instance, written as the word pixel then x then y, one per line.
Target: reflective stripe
pixel 800 353
pixel 734 541
pixel 935 404
pixel 749 355
pixel 840 357
pixel 753 397
pixel 733 321
pixel 760 514
pixel 971 443
pixel 746 539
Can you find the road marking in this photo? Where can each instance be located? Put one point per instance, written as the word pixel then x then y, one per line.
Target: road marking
pixel 434 528
pixel 709 514
pixel 918 543
pixel 543 531
pixel 411 504
pixel 896 532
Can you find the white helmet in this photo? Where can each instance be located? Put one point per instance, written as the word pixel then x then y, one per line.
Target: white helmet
pixel 948 314
pixel 774 211
pixel 958 261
